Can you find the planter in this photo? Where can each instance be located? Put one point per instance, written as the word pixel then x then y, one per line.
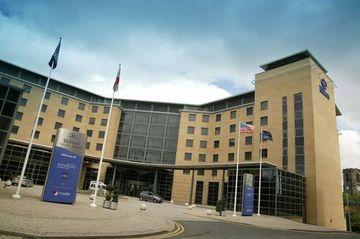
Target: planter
pixel 113 205
pixel 8 183
pixel 106 204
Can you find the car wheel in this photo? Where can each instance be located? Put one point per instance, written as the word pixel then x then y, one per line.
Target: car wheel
pixel 155 201
pixel 141 198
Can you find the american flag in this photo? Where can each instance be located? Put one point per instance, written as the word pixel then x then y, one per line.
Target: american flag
pixel 117 80
pixel 246 128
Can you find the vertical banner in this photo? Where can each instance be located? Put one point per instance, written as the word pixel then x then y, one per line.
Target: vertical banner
pixel 65 166
pixel 248 195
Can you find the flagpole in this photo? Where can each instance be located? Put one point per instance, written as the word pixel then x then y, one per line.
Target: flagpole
pixel 260 171
pixel 237 169
pixel 17 194
pixel 93 204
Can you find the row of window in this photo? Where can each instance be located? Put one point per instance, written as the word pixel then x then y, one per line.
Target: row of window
pixel 201 172
pixel 231 156
pixel 203 143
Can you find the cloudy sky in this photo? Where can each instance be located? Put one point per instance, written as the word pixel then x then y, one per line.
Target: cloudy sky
pixel 187 51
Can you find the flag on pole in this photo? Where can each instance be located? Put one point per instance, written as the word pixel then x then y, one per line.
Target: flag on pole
pixel 246 128
pixel 54 58
pixel 266 135
pixel 117 80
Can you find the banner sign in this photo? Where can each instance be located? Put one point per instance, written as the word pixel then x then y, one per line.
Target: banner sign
pixel 323 87
pixel 248 195
pixel 65 166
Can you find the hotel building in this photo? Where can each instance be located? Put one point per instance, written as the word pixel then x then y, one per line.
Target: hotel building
pixel 187 153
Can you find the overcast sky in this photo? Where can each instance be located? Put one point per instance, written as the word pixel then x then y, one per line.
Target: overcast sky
pixel 187 51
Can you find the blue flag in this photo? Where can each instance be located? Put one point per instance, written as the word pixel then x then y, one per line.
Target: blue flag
pixel 266 135
pixel 54 58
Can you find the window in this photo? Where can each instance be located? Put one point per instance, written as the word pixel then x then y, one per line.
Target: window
pixel 192 117
pixel 264 105
pixel 202 157
pixel 53 138
pixel 19 115
pixel 215 157
pixel 217 130
pixel 40 121
pixel 264 120
pixel 87 145
pixel 191 130
pixel 216 144
pixel 47 95
pixel 15 129
pixel 200 172
pixel 249 123
pixel 186 171
pixel 264 153
pixel 76 129
pixel 98 147
pixel 249 111
pixel 231 157
pixel 189 143
pixel 188 156
pixel 101 134
pixel 94 109
pixel 89 133
pixel 81 106
pixel 248 155
pixel 248 140
pixel 91 120
pixel 214 172
pixel 64 101
pixel 203 144
pixel 61 113
pixel 23 102
pixel 78 118
pixel 204 131
pixel 43 108
pixel 218 117
pixel 233 114
pixel 26 88
pixel 232 128
pixel 57 125
pixel 231 142
pixel 103 122
pixel 205 118
pixel 106 110
pixel 37 134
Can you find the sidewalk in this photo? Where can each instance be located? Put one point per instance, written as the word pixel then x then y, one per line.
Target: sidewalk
pixel 33 217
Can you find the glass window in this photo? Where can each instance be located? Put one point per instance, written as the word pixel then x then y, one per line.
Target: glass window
pixel 233 114
pixel 91 121
pixel 76 129
pixel 13 95
pixel 204 131
pixel 57 125
pixel 248 155
pixel 189 143
pixel 186 171
pixel 98 147
pixel 26 88
pixel 19 115
pixel 202 157
pixel 78 118
pixel 264 120
pixel 214 172
pixel 40 121
pixel 231 142
pixel 43 108
pixel 215 157
pixel 53 138
pixel 81 106
pixel 232 128
pixel 94 109
pixel 200 172
pixel 106 110
pixel 192 117
pixel 154 143
pixel 5 123
pixel 138 142
pixel 101 134
pixel 188 156
pixel 8 109
pixel 87 145
pixel 264 105
pixel 47 95
pixel 203 144
pixel 264 153
pixel 15 129
pixel 170 144
pixel 205 118
pixel 217 130
pixel 249 111
pixel 142 117
pixel 218 117
pixel 191 130
pixel 89 133
pixel 61 113
pixel 37 134
pixel 156 131
pixel 103 122
pixel 231 157
pixel 248 140
pixel 216 144
pixel 159 119
pixel 23 102
pixel 171 132
pixel 141 129
pixel 64 101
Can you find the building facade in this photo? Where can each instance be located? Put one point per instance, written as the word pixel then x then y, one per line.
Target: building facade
pixel 351 178
pixel 188 153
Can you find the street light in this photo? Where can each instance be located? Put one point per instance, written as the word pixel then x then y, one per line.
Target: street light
pixel 347 189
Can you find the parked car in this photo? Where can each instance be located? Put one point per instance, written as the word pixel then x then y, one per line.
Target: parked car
pixel 101 187
pixel 26 182
pixel 150 196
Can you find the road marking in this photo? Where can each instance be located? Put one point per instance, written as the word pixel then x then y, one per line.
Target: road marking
pixel 178 230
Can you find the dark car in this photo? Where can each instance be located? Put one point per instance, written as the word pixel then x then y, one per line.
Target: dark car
pixel 26 182
pixel 150 196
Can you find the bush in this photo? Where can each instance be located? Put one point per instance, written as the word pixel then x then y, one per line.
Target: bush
pixel 220 206
pixel 355 218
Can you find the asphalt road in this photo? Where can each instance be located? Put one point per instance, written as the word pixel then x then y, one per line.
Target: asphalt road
pixel 199 229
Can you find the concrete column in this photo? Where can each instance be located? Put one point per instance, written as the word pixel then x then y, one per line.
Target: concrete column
pixel 191 187
pixel 155 180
